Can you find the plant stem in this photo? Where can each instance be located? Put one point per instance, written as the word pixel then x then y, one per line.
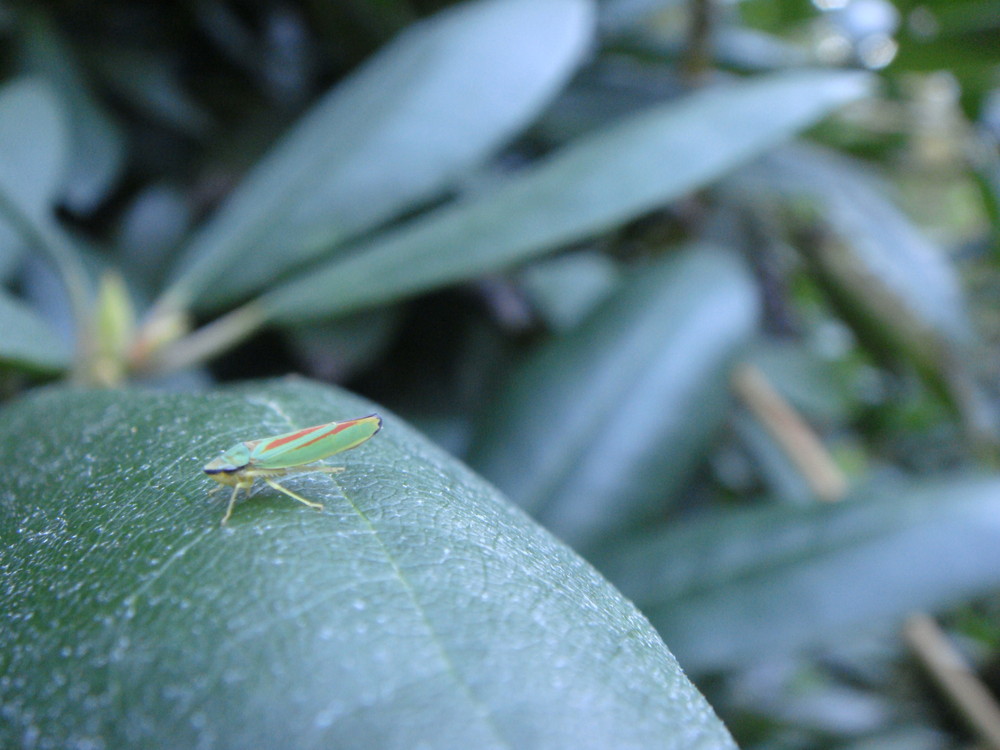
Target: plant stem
pixel 209 340
pixel 697 61
pixel 792 433
pixel 952 674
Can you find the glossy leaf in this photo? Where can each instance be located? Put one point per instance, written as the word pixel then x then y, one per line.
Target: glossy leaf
pixel 745 586
pixel 26 340
pixel 419 609
pixel 591 186
pixel 436 101
pixel 599 428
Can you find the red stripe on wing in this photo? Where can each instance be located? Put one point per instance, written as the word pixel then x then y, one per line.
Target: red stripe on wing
pixel 278 442
pixel 334 431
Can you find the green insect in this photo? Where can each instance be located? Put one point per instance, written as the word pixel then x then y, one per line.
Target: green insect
pixel 290 453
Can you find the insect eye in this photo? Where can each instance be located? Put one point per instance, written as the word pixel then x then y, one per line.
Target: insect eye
pixel 222 470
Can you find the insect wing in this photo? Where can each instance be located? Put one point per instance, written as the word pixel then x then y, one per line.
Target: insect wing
pixel 312 443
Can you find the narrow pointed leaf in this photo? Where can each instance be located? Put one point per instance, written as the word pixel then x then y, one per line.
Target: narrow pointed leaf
pixel 418 609
pixel 591 186
pixel 735 588
pixel 599 428
pixel 435 102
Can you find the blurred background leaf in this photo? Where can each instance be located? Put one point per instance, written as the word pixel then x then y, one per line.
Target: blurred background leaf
pixel 96 150
pixel 33 153
pixel 743 587
pixel 595 184
pixel 378 144
pixel 598 430
pixel 27 340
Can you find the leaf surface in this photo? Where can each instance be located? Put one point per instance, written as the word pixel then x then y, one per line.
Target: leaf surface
pixel 418 609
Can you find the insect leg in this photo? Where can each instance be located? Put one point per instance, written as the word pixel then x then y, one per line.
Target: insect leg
pixel 232 502
pixel 310 503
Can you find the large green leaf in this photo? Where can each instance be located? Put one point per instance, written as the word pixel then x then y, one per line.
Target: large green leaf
pixel 745 586
pixel 591 186
pixel 599 428
pixel 419 609
pixel 433 103
pixel 26 340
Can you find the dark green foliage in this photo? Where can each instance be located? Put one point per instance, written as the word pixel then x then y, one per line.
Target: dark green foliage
pixel 666 273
